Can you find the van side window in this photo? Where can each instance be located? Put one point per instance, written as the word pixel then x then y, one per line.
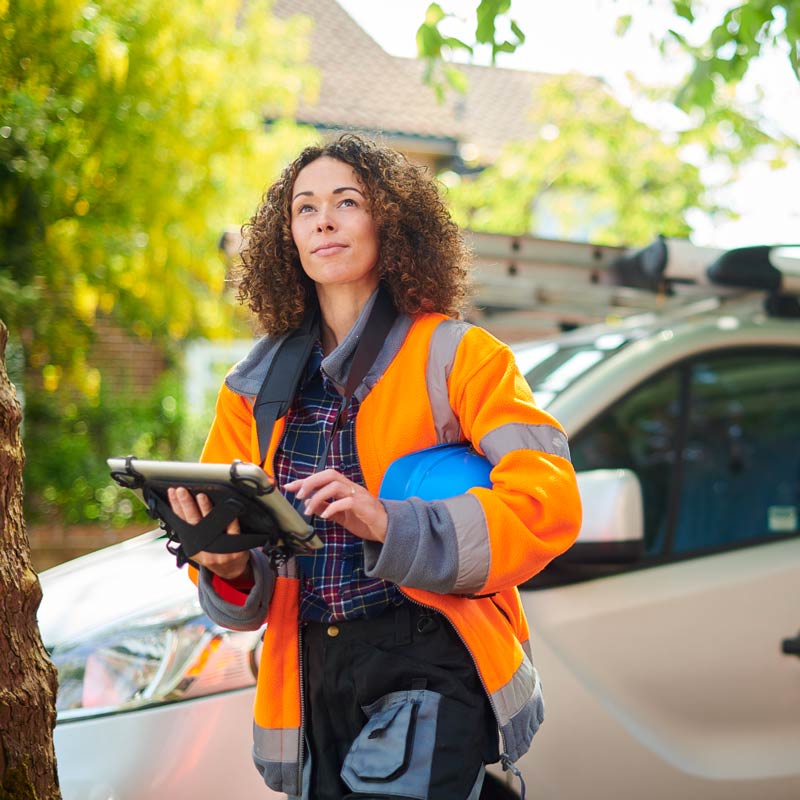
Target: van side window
pixel 734 435
pixel 639 433
pixel 741 457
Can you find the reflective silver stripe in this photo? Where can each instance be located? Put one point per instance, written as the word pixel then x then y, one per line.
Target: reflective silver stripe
pixel 441 355
pixel 520 709
pixel 511 698
pixel 526 646
pixel 521 436
pixel 276 744
pixel 474 553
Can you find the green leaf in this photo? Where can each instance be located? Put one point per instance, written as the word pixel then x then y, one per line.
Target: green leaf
pixel 485 27
pixel 434 15
pixel 456 79
pixel 683 8
pixel 678 37
pixel 486 16
pixel 456 44
pixel 429 42
pixel 505 47
pixel 622 24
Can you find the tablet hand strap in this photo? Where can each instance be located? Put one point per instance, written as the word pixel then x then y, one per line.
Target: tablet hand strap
pixel 209 534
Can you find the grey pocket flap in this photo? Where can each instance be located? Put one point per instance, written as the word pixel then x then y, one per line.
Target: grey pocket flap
pixel 381 749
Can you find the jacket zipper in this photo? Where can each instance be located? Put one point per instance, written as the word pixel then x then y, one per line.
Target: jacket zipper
pixel 507 763
pixel 475 663
pixel 302 736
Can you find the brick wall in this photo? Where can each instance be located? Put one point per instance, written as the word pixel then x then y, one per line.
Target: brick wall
pixel 127 363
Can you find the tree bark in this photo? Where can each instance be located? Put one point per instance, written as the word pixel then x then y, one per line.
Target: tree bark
pixel 28 679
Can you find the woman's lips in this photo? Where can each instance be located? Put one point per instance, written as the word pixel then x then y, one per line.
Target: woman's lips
pixel 329 248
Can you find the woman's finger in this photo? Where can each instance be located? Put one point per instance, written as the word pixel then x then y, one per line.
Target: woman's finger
pixel 335 490
pixel 204 503
pixel 184 505
pixel 303 487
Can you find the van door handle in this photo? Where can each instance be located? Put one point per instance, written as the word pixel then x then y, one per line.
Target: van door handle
pixel 791 646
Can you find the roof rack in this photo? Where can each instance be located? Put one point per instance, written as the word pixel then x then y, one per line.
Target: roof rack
pixel 667 262
pixel 533 285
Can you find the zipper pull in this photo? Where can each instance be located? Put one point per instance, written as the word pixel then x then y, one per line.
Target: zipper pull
pixel 508 764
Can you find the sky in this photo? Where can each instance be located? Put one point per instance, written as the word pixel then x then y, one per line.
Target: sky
pixel 579 35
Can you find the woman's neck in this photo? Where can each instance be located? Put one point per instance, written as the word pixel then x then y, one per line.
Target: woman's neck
pixel 339 310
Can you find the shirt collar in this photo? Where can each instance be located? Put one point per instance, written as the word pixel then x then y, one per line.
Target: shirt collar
pixel 336 365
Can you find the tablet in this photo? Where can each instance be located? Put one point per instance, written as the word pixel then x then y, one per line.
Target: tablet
pixel 261 510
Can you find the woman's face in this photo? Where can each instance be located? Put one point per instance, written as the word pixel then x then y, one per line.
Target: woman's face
pixel 332 226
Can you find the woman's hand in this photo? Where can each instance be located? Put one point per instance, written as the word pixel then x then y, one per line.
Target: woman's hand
pixel 329 495
pixel 191 509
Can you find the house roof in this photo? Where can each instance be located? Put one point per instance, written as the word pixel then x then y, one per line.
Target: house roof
pixel 362 86
pixel 495 109
pixel 365 88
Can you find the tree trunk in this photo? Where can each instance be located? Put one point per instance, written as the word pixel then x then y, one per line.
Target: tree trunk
pixel 28 679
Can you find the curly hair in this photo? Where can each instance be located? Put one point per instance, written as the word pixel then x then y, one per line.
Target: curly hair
pixel 422 256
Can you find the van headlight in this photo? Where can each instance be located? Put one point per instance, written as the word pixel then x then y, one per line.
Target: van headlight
pixel 175 654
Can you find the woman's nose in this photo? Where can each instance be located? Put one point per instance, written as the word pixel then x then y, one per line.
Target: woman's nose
pixel 325 221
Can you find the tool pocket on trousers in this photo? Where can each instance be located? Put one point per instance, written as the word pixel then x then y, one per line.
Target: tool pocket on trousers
pixel 393 751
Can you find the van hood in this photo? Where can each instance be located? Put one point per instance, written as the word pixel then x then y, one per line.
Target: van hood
pixel 106 588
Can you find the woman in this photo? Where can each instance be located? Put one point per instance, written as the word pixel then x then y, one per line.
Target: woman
pixel 392 655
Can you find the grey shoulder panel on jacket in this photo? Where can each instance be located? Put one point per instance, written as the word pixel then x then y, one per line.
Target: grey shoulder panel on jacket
pixel 248 374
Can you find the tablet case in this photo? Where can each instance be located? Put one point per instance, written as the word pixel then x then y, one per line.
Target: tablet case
pixel 238 490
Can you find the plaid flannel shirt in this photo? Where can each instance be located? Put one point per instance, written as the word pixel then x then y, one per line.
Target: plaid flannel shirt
pixel 334 586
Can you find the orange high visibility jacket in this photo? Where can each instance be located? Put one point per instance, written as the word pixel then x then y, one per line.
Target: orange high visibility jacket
pixel 435 380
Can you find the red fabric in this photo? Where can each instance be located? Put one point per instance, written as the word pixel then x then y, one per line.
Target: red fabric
pixel 235 591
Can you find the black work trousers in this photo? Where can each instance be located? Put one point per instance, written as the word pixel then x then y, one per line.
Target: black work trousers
pixel 394 708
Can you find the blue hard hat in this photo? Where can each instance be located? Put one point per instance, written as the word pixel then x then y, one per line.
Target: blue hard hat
pixel 435 473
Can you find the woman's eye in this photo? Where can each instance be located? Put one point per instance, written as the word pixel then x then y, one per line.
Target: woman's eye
pixel 348 201
pixel 304 209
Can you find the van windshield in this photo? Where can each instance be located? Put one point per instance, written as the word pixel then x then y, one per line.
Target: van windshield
pixel 550 367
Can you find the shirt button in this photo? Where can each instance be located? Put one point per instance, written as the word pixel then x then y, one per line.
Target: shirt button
pixel 333 630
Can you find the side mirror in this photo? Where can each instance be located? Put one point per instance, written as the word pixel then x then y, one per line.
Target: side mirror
pixel 612 533
pixel 613 518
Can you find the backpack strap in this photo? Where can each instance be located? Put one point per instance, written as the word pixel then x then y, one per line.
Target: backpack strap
pixel 280 383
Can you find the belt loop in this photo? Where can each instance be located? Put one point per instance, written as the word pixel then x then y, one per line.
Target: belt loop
pixel 402 624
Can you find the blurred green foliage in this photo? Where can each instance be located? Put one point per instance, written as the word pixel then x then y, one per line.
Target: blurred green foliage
pixel 594 160
pixel 720 61
pixel 132 132
pixel 66 476
pixel 593 164
pixel 746 31
pixel 594 168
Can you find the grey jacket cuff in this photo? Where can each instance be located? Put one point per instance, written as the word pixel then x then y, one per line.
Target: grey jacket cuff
pixel 251 615
pixel 420 550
